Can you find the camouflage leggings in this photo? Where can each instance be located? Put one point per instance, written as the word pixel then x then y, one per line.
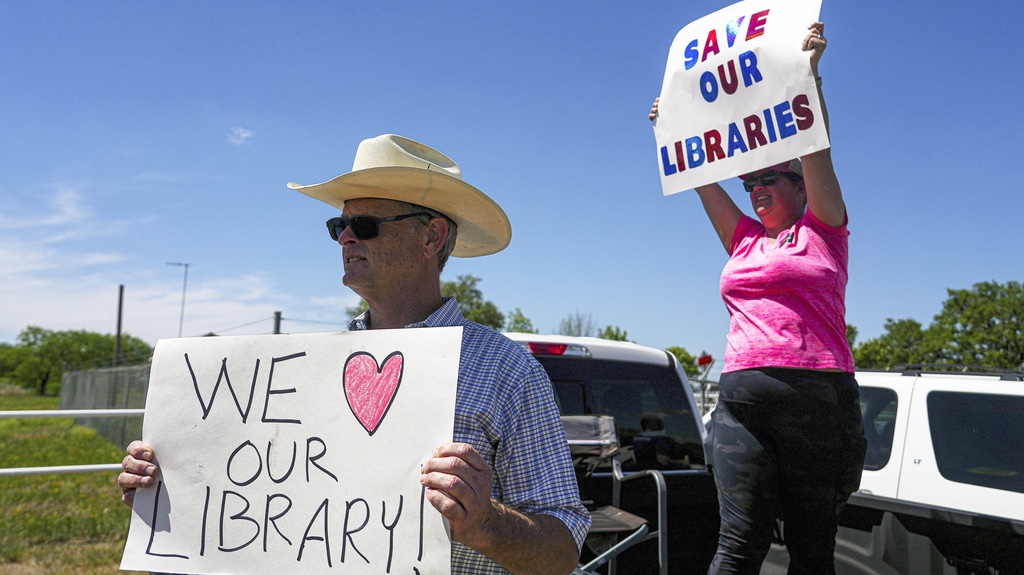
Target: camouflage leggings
pixel 784 442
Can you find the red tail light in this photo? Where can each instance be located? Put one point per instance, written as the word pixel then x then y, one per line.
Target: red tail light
pixel 547 348
pixel 562 349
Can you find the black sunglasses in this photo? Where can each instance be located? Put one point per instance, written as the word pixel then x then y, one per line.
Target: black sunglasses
pixel 364 227
pixel 768 178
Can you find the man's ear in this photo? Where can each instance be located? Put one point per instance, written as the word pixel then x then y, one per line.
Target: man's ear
pixel 437 235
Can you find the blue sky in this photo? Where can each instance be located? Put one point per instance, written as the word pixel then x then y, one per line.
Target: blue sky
pixel 133 134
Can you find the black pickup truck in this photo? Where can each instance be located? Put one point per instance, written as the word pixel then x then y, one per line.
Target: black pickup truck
pixel 637 385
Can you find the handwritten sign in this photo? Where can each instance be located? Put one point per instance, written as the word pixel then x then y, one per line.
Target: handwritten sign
pixel 738 94
pixel 296 454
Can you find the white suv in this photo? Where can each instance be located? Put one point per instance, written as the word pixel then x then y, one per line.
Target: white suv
pixel 943 483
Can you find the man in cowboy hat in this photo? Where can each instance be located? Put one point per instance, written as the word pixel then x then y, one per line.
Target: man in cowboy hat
pixel 506 484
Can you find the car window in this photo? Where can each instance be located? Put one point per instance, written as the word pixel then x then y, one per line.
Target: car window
pixel 878 406
pixel 978 438
pixel 655 425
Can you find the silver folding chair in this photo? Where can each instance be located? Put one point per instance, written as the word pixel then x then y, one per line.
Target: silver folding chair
pixel 594 443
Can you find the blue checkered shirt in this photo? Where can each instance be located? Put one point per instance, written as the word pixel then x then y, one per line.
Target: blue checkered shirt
pixel 505 409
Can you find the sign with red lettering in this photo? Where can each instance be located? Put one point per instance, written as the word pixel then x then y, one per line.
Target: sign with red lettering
pixel 296 453
pixel 738 94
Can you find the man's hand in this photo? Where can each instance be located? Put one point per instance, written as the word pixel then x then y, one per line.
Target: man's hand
pixel 138 471
pixel 458 483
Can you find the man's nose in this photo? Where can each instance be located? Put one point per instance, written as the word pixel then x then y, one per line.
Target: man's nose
pixel 347 236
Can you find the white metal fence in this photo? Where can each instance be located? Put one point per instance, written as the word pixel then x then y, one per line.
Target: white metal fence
pixel 109 400
pixel 77 413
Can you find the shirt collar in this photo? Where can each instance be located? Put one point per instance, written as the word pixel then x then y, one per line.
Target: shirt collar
pixel 447 315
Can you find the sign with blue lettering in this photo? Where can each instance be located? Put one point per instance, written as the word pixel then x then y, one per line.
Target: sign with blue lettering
pixel 738 94
pixel 296 453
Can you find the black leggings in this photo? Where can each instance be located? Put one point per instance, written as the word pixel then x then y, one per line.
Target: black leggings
pixel 789 442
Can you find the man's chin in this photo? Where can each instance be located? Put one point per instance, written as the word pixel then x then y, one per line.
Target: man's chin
pixel 352 282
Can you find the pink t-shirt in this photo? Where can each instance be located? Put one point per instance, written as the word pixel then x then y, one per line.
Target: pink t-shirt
pixel 787 299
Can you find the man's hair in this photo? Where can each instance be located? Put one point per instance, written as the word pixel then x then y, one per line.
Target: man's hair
pixel 453 232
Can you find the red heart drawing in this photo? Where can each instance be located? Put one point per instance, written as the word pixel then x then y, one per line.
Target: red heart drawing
pixel 370 390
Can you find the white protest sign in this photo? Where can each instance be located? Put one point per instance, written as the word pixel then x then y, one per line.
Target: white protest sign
pixel 296 454
pixel 738 94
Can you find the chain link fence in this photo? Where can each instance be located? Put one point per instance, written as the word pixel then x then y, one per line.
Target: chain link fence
pixel 108 388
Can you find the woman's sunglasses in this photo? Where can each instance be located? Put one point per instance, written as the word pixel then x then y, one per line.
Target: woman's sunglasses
pixel 364 227
pixel 768 178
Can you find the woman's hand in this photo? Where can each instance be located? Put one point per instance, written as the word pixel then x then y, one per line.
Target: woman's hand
pixel 815 43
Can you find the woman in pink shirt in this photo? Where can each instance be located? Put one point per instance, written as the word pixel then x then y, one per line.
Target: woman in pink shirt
pixel 787 436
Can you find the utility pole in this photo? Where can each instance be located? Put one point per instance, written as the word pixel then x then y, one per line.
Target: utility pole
pixel 184 286
pixel 277 322
pixel 120 310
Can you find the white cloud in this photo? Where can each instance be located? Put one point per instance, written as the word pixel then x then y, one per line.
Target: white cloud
pixel 239 135
pixel 152 307
pixel 47 269
pixel 53 276
pixel 63 206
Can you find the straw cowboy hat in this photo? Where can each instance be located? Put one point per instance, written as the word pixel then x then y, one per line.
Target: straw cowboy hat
pixel 391 167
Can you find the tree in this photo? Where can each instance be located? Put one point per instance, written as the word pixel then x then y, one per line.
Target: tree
pixel 689 362
pixel 978 326
pixel 358 309
pixel 518 322
pixel 612 332
pixel 982 326
pixel 471 301
pixel 851 334
pixel 45 354
pixel 902 343
pixel 577 324
pixel 10 357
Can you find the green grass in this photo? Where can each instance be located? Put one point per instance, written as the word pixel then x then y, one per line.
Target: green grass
pixel 67 524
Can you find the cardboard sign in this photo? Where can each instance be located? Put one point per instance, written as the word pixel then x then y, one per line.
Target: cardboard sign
pixel 738 94
pixel 296 454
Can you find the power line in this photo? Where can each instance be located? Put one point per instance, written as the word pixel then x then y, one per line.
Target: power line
pixel 244 325
pixel 336 323
pixel 316 321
